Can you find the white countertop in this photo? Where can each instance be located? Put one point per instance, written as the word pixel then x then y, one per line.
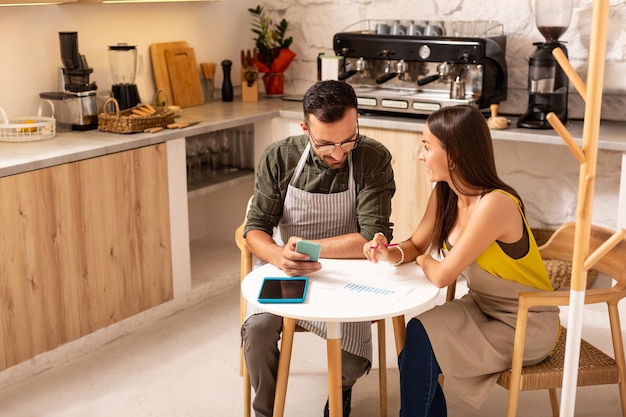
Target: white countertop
pixel 73 146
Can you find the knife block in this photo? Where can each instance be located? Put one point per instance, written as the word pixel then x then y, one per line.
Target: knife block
pixel 249 92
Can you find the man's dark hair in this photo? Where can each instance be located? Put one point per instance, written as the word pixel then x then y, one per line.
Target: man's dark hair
pixel 328 100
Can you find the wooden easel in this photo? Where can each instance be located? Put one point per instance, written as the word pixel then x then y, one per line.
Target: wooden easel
pixel 587 157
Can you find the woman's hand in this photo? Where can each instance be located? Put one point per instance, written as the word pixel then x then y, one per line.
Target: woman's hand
pixel 375 250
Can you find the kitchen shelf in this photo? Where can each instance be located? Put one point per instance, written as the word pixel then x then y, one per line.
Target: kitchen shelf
pixel 219 182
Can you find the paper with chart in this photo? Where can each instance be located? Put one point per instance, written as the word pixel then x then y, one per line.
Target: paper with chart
pixel 366 291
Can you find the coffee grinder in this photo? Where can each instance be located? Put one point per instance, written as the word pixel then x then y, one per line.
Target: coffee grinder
pixel 548 85
pixel 75 102
pixel 123 63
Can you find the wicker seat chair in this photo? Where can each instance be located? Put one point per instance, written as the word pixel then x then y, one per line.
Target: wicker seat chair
pixel 287 340
pixel 595 367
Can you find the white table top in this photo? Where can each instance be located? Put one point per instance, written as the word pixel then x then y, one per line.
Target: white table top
pixel 350 290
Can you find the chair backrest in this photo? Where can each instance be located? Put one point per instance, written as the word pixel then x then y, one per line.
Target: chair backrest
pixel 561 246
pixel 613 263
pixel 245 266
pixel 246 255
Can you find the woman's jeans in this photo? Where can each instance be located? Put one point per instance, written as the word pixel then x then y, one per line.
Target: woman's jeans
pixel 420 392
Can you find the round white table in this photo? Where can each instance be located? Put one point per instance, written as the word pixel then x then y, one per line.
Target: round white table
pixel 344 290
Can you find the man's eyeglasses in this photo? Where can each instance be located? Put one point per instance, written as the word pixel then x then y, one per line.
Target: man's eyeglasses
pixel 346 146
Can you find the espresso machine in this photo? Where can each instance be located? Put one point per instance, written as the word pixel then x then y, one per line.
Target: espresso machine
pixel 415 68
pixel 548 85
pixel 75 106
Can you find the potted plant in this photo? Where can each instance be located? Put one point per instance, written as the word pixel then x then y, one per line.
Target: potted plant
pixel 272 44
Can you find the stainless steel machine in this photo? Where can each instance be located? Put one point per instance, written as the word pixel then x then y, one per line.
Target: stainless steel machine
pixel 75 106
pixel 403 71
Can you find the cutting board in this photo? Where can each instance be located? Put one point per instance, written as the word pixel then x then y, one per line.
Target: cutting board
pixel 159 66
pixel 184 77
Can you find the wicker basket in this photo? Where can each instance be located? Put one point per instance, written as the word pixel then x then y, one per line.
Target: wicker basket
pixel 126 121
pixel 28 129
pixel 560 271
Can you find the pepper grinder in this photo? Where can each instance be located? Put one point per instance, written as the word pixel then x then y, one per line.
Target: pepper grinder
pixel 227 84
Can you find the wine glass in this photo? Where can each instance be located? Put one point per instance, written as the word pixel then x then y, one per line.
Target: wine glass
pixel 225 148
pixel 205 156
pixel 188 156
pixel 191 153
pixel 214 150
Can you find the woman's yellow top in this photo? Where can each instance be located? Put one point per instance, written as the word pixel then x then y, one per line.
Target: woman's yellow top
pixel 528 270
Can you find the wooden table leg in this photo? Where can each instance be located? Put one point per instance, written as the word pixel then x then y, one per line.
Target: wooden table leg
pixel 284 361
pixel 399 332
pixel 333 341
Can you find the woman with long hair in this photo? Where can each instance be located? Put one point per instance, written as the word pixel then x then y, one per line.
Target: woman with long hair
pixel 475 227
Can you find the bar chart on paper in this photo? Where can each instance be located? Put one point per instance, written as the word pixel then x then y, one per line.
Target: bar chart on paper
pixel 360 288
pixel 371 291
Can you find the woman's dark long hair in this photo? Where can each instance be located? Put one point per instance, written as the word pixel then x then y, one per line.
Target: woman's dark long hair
pixel 463 133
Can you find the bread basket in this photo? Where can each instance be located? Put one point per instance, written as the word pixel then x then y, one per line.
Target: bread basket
pixel 130 120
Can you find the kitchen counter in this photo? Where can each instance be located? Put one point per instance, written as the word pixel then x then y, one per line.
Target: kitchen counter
pixel 73 146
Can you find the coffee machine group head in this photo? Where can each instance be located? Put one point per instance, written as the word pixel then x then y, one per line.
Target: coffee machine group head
pixel 548 85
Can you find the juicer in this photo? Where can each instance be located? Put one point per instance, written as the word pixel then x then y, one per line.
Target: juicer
pixel 75 106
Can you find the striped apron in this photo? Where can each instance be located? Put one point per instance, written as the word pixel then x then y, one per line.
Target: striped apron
pixel 317 216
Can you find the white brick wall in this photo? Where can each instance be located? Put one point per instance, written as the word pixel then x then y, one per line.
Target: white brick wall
pixel 314 22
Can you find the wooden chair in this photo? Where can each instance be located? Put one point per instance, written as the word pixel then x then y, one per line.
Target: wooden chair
pixel 287 337
pixel 595 367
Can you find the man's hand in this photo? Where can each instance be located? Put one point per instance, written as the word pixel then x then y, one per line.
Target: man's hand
pixel 294 263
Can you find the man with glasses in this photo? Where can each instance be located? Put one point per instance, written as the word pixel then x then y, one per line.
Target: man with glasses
pixel 329 185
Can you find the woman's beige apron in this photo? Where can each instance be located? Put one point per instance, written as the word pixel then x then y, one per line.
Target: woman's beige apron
pixel 317 216
pixel 472 337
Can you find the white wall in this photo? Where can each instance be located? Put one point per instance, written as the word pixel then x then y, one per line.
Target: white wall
pixel 316 21
pixel 29 41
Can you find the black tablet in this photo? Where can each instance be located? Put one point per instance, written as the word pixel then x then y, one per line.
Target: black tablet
pixel 283 290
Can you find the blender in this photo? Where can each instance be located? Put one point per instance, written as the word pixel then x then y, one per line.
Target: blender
pixel 548 85
pixel 123 63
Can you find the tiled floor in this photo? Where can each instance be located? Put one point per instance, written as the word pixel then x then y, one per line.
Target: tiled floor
pixel 187 365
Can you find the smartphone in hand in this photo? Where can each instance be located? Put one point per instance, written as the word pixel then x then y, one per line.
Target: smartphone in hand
pixel 309 248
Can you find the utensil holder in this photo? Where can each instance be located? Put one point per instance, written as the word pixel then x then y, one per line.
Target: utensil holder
pixel 249 85
pixel 208 87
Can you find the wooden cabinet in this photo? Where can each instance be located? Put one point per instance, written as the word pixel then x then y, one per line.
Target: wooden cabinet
pixel 82 246
pixel 413 186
